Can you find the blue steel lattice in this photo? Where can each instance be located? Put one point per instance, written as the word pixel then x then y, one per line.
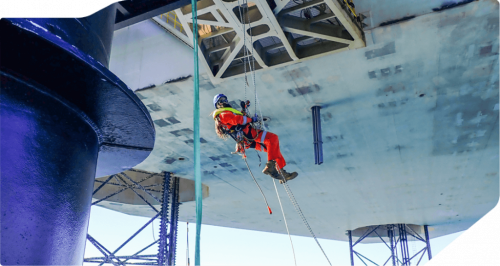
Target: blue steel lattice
pixel 401 259
pixel 174 220
pixel 168 227
pixel 163 245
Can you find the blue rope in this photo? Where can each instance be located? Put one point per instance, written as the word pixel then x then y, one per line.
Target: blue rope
pixel 196 122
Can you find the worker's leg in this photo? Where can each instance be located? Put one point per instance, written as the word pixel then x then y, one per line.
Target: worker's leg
pixel 272 147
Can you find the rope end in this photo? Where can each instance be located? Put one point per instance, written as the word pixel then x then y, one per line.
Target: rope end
pixel 269 209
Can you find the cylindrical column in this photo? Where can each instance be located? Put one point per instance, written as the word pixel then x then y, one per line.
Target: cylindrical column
pixel 49 155
pixel 93 35
pixel 64 118
pixel 427 241
pixel 390 234
pixel 350 247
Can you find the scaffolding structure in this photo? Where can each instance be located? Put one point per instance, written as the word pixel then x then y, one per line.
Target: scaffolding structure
pixel 168 224
pixel 397 235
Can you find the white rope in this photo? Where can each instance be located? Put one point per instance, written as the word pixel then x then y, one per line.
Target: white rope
pixel 263 126
pixel 244 47
pixel 299 211
pixel 284 218
pixel 251 63
pixel 187 243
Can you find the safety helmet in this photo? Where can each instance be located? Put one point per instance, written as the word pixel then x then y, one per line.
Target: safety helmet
pixel 217 98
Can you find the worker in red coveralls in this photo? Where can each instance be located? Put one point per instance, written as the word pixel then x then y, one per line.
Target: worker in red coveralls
pixel 231 121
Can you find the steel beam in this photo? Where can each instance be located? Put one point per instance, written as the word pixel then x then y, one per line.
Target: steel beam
pixel 320 18
pixel 218 48
pixel 300 7
pixel 138 11
pixel 122 9
pixel 168 232
pixel 403 258
pixel 351 254
pixel 348 24
pixel 427 241
pixel 272 47
pixel 403 242
pixel 390 234
pixel 174 220
pixel 327 32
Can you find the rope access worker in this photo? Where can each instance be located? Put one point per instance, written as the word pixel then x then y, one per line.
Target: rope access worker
pixel 231 122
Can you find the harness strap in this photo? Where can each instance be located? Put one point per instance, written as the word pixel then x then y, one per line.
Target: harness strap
pixel 263 136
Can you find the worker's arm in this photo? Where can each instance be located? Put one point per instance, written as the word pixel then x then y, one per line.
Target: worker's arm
pixel 229 118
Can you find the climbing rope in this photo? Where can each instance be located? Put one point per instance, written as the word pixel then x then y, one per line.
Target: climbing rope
pixel 255 180
pixel 244 47
pixel 299 211
pixel 247 53
pixel 187 244
pixel 251 65
pixel 284 219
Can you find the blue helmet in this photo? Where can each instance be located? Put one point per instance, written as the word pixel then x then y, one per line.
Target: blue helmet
pixel 217 98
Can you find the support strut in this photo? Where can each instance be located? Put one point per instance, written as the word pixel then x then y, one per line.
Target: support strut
pixel 397 236
pixel 174 220
pixel 163 245
pixel 403 242
pixel 168 230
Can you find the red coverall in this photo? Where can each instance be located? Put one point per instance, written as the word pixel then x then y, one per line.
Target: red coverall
pixel 269 143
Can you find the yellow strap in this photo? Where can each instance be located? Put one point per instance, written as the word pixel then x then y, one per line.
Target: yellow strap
pixel 220 110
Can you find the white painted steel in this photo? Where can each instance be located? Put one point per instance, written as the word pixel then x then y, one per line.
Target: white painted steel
pixel 410 130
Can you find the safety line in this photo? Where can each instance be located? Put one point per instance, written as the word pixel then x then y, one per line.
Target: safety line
pixel 299 211
pixel 246 56
pixel 255 180
pixel 196 133
pixel 187 244
pixel 284 218
pixel 244 47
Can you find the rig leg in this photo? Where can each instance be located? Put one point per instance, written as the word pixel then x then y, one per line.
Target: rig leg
pixel 390 234
pixel 403 236
pixel 59 129
pixel 350 247
pixel 427 242
pixel 49 155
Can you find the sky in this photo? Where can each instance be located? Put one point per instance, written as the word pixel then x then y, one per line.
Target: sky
pixel 229 246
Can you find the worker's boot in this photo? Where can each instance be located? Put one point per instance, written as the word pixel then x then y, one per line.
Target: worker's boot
pixel 287 176
pixel 270 169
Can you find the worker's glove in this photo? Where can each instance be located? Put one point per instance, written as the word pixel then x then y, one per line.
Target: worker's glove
pixel 244 105
pixel 255 118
